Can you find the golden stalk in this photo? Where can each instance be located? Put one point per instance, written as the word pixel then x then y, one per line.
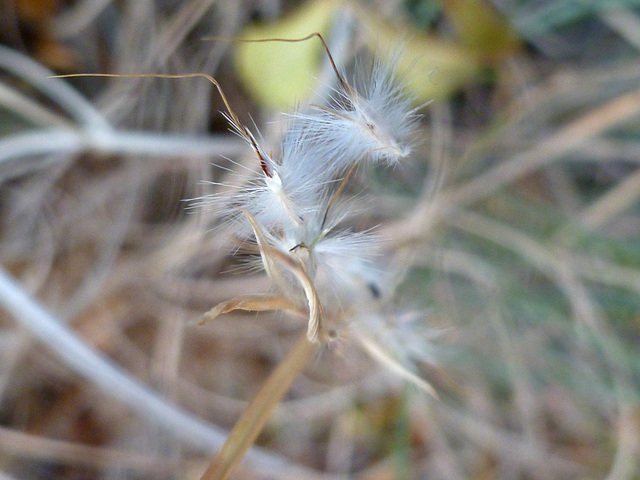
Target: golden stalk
pixel 253 419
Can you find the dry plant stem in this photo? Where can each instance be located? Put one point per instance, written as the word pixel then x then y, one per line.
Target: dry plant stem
pixel 619 198
pixel 14 148
pixel 75 19
pixel 36 448
pixel 479 430
pixel 11 99
pixel 251 422
pixel 628 452
pixel 396 367
pixel 570 137
pixel 588 126
pixel 338 192
pixel 548 261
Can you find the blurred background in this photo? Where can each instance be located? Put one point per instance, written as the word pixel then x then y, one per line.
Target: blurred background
pixel 516 221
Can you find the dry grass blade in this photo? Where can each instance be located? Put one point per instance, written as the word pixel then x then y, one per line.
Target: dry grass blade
pixel 273 259
pixel 250 303
pixel 592 124
pixel 253 419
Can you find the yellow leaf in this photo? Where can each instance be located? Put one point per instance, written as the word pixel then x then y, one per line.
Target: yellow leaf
pixel 481 28
pixel 432 68
pixel 280 74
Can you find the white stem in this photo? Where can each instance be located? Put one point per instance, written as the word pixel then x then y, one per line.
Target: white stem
pixel 30 110
pixel 113 381
pixel 68 141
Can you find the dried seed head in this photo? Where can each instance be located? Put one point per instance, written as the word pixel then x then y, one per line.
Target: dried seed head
pixel 373 122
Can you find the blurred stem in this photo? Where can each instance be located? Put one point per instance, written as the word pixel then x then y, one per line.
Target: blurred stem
pixel 102 372
pixel 574 135
pixel 401 441
pixel 253 419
